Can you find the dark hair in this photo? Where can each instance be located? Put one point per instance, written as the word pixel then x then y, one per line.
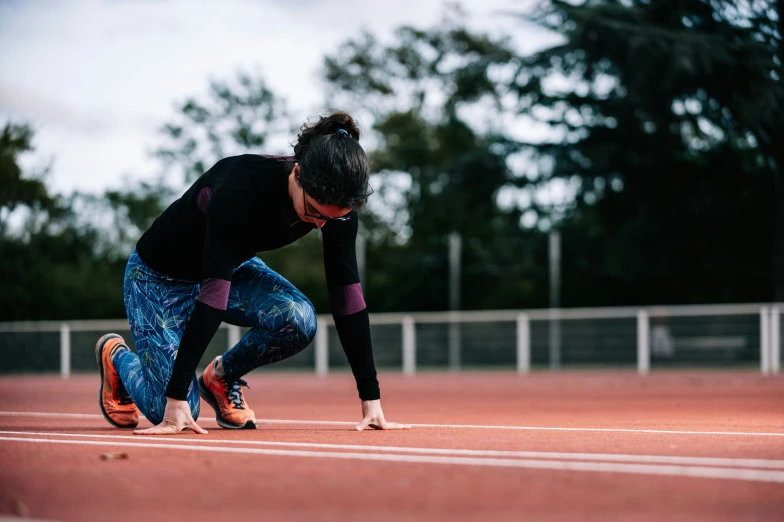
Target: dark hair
pixel 334 169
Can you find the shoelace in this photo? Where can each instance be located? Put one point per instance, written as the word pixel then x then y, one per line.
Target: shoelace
pixel 234 392
pixel 120 393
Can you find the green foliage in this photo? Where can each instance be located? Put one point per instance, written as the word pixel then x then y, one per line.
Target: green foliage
pixel 16 190
pixel 418 90
pixel 436 69
pixel 669 121
pixel 234 119
pixel 142 203
pixel 132 210
pixel 56 276
pixel 302 263
pixel 51 268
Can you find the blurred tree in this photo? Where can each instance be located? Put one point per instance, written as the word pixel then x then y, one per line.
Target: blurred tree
pixel 667 124
pixel 236 118
pixel 420 91
pixel 670 116
pixel 16 190
pixel 50 267
pixel 134 209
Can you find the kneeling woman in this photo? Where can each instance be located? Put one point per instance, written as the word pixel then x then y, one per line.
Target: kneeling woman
pixel 196 267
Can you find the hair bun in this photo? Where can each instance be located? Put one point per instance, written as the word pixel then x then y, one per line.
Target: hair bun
pixel 333 123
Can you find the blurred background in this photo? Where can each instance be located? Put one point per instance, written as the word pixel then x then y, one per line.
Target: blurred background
pixel 584 172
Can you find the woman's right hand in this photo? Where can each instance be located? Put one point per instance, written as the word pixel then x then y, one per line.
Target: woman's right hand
pixel 176 418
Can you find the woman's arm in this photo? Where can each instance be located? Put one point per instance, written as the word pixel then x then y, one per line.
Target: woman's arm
pixel 351 317
pixel 347 303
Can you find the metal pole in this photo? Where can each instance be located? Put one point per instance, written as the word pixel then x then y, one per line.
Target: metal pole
pixel 523 344
pixel 322 350
pixel 775 340
pixel 455 248
pixel 65 351
pixel 555 339
pixel 361 248
pixel 555 301
pixel 764 341
pixel 409 346
pixel 555 268
pixel 643 343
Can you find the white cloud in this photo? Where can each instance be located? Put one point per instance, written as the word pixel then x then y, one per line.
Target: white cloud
pixel 27 104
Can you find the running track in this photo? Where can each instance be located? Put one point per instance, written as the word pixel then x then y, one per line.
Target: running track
pixel 487 446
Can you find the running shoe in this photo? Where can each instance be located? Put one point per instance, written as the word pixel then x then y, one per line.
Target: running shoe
pixel 116 405
pixel 225 397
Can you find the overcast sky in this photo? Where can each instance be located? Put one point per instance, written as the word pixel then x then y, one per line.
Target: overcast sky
pixel 97 78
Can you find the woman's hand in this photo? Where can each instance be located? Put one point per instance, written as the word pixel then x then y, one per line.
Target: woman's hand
pixel 373 416
pixel 176 418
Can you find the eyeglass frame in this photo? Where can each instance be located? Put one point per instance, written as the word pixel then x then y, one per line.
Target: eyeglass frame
pixel 320 217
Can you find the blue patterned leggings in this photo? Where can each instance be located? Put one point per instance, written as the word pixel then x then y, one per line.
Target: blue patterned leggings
pixel 282 322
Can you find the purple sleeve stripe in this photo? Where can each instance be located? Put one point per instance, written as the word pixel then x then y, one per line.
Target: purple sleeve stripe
pixel 215 293
pixel 346 300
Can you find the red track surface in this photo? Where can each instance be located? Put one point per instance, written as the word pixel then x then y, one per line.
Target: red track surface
pixel 70 482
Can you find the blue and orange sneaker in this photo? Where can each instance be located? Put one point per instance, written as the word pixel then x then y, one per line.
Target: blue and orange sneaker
pixel 225 397
pixel 116 405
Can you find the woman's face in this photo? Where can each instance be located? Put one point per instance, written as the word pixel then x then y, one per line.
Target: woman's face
pixel 311 211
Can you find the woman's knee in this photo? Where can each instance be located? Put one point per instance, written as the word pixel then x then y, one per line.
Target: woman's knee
pixel 302 323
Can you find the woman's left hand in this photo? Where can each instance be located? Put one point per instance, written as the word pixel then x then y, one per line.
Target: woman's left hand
pixel 373 416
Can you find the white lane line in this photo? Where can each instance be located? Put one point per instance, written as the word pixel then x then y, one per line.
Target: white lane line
pixel 455 426
pixel 536 428
pixel 46 414
pixel 72 415
pixel 644 469
pixel 648 459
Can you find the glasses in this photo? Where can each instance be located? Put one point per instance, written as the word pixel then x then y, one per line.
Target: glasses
pixel 317 215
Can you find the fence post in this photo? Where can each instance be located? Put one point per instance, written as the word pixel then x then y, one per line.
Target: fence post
pixel 455 329
pixel 764 341
pixel 409 345
pixel 455 248
pixel 322 350
pixel 775 340
pixel 523 344
pixel 555 339
pixel 643 343
pixel 65 351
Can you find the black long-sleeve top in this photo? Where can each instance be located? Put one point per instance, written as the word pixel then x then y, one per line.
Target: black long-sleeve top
pixel 237 208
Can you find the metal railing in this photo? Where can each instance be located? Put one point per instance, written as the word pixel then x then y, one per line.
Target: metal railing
pixel 641 338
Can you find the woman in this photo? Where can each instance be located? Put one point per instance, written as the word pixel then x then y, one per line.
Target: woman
pixel 196 267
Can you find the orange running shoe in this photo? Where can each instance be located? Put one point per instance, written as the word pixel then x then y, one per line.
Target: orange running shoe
pixel 116 405
pixel 225 397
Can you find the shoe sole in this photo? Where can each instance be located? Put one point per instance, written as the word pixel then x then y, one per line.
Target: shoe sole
pixel 207 396
pixel 98 351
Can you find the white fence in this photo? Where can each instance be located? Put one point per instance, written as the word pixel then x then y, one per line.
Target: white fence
pixel 649 338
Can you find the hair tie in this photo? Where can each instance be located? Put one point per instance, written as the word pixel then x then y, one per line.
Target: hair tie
pixel 342 131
